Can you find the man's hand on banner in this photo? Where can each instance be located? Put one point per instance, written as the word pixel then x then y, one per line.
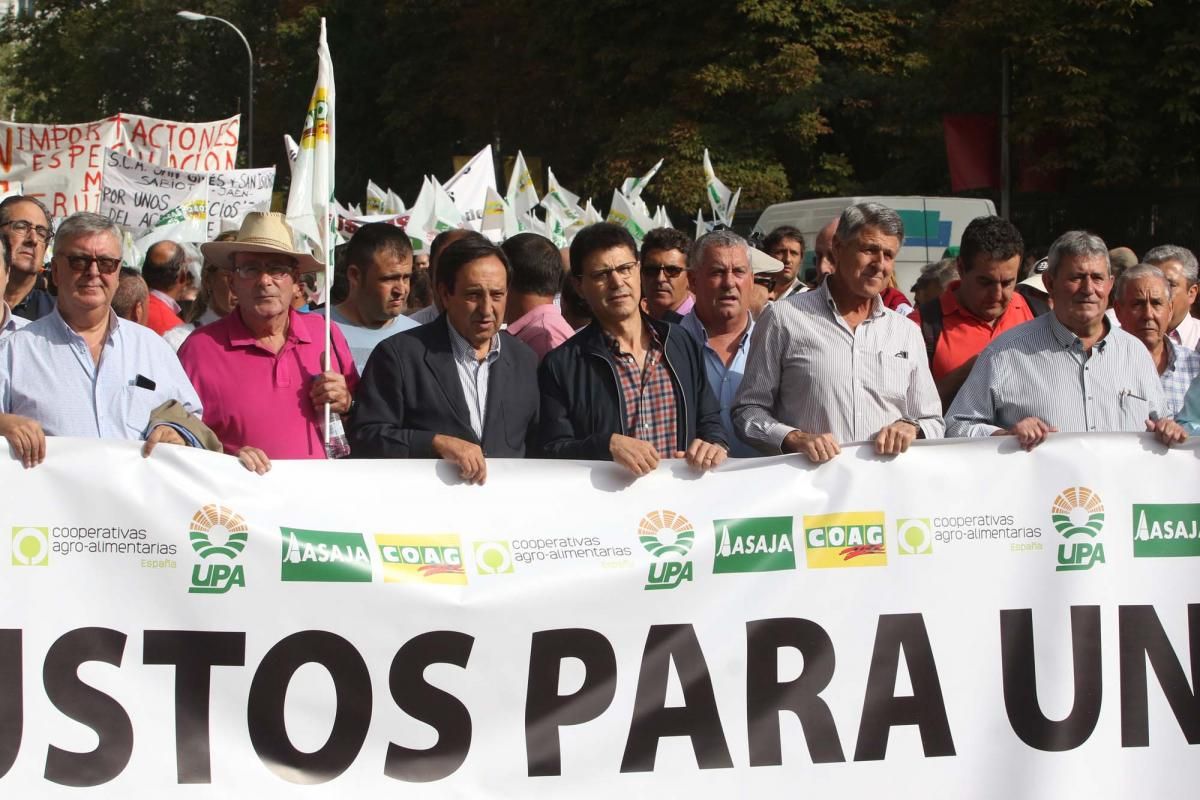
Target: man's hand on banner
pixel 1030 432
pixel 467 456
pixel 637 456
pixel 254 460
pixel 703 455
pixel 818 447
pixel 162 433
pixel 25 437
pixel 1167 430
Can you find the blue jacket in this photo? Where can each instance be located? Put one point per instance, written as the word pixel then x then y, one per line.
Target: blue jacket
pixel 582 406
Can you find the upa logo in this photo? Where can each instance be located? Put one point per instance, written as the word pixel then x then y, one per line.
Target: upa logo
pixel 755 544
pixel 1169 530
pixel 1078 515
pixel 30 546
pixel 914 537
pixel 493 558
pixel 845 539
pixel 219 536
pixel 669 538
pixel 325 556
pixel 431 558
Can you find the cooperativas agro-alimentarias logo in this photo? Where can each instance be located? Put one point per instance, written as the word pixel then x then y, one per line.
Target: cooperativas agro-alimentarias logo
pixel 218 535
pixel 1078 516
pixel 669 538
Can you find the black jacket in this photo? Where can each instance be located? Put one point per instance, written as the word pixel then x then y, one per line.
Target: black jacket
pixel 410 391
pixel 582 405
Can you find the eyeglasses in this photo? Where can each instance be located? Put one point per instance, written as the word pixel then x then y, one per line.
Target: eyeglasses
pixel 622 271
pixel 276 270
pixel 106 265
pixel 652 270
pixel 764 281
pixel 22 227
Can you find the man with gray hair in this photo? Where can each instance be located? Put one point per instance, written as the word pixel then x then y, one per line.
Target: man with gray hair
pixel 1178 264
pixel 130 300
pixel 721 279
pixel 1143 306
pixel 81 371
pixel 1069 370
pixel 834 365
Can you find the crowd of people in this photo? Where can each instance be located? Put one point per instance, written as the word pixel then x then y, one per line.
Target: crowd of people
pixel 608 350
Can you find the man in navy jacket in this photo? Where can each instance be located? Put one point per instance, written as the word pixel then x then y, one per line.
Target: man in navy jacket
pixel 626 387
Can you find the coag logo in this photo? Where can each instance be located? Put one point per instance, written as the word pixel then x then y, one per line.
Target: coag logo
pixel 914 536
pixel 1166 530
pixel 845 539
pixel 327 556
pixel 1078 512
pixel 754 544
pixel 669 538
pixel 434 558
pixel 218 535
pixel 30 546
pixel 493 558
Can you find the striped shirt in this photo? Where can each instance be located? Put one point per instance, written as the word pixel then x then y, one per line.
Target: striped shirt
pixel 1183 365
pixel 808 371
pixel 1039 369
pixel 9 321
pixel 648 394
pixel 473 375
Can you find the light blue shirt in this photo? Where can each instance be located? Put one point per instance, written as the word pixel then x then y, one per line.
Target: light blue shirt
pixel 363 340
pixel 724 380
pixel 473 375
pixel 9 321
pixel 47 374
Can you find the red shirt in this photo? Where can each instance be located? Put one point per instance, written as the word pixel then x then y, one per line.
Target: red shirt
pixel 160 317
pixel 964 335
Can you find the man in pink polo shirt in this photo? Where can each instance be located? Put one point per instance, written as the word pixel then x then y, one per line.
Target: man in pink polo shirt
pixel 537 276
pixel 260 369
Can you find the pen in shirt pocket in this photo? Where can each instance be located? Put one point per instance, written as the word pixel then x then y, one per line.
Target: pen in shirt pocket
pixel 1129 393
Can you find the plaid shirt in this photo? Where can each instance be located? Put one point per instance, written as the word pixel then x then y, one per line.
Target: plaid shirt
pixel 1183 365
pixel 649 395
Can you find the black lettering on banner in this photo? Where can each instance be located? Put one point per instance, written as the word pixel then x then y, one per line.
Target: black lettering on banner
pixel 766 695
pixel 88 705
pixel 1020 680
pixel 697 718
pixel 193 654
pixel 545 709
pixel 268 690
pixel 441 710
pixel 898 634
pixel 12 714
pixel 1142 636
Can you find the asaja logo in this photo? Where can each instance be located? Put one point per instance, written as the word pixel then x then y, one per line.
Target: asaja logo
pixel 1166 530
pixel 432 558
pixel 754 544
pixel 493 558
pixel 219 534
pixel 1078 512
pixel 30 546
pixel 914 536
pixel 845 539
pixel 327 556
pixel 669 538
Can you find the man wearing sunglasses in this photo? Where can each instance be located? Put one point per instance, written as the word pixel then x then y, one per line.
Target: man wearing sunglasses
pixel 25 224
pixel 627 387
pixel 664 274
pixel 81 371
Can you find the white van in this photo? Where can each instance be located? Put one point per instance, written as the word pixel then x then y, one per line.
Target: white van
pixel 931 224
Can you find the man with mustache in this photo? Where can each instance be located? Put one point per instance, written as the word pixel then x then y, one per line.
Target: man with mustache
pixel 664 274
pixel 627 387
pixel 1069 370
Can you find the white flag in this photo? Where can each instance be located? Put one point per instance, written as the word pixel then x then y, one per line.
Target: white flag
pixel 556 227
pixel 554 187
pixel 590 215
pixel 499 221
pixel 308 206
pixel 186 222
pixel 701 225
pixel 521 194
pixel 623 213
pixel 420 218
pixel 661 220
pixel 468 188
pixel 719 196
pixel 375 198
pixel 392 204
pixel 445 214
pixel 293 149
pixel 632 187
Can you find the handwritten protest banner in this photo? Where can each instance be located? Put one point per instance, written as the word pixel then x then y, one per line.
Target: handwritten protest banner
pixel 134 193
pixel 62 165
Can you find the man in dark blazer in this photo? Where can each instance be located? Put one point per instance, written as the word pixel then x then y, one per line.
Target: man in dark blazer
pixel 627 387
pixel 456 388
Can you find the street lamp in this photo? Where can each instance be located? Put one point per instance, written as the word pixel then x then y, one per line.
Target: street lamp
pixel 192 16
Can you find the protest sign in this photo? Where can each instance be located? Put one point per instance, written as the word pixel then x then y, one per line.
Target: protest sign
pixel 967 620
pixel 62 164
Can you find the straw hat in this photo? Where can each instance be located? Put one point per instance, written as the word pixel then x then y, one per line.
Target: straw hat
pixel 261 232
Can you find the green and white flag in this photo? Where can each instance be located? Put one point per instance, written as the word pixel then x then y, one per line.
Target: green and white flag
pixel 468 188
pixel 499 221
pixel 553 186
pixel 556 227
pixel 446 215
pixel 310 198
pixel 420 218
pixel 723 202
pixel 376 198
pixel 623 213
pixel 521 194
pixel 632 187
pixel 186 222
pixel 392 204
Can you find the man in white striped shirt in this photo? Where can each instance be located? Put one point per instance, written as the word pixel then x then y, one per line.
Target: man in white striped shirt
pixel 1070 370
pixel 834 365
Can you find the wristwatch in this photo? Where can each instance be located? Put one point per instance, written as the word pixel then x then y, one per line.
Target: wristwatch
pixel 915 424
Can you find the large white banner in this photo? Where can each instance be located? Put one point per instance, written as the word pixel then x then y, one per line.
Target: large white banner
pixel 61 164
pixel 967 620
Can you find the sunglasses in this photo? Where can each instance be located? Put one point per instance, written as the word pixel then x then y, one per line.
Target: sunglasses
pixel 652 270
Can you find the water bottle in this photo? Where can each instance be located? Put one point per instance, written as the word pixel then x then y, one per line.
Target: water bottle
pixel 336 445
